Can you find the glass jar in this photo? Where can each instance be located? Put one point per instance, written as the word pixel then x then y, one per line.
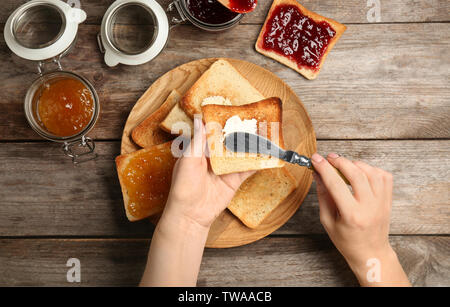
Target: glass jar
pixel 148 27
pixel 45 31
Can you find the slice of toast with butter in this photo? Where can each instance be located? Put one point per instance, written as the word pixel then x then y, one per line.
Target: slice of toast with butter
pixel 298 37
pixel 220 80
pixel 260 194
pixel 264 117
pixel 148 133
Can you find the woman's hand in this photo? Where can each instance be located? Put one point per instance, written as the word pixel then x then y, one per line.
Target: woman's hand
pixel 358 222
pixel 197 194
pixel 196 198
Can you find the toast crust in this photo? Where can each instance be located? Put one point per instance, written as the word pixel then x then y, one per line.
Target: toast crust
pixel 266 112
pixel 221 79
pixel 306 72
pixel 148 133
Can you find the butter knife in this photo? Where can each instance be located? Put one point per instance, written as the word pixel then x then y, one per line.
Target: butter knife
pixel 253 143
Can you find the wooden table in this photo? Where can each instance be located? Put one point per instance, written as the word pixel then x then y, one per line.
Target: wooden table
pixel 383 96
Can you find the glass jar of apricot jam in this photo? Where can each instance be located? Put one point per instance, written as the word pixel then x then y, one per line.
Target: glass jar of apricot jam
pixel 63 107
pixel 60 106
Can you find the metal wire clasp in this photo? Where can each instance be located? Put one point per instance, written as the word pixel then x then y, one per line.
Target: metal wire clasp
pixel 87 153
pixel 174 7
pixel 41 65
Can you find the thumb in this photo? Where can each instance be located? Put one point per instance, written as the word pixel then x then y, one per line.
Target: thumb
pixel 196 147
pixel 199 136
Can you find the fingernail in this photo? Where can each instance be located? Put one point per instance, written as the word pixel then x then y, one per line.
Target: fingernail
pixel 333 155
pixel 317 158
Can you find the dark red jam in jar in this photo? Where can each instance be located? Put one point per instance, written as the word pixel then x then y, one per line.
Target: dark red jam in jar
pixel 243 6
pixel 298 37
pixel 210 11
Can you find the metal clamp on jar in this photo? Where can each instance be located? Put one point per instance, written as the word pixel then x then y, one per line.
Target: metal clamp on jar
pixel 134 32
pixel 60 106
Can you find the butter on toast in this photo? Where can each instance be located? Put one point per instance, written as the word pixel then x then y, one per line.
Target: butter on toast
pixel 260 194
pixel 145 177
pixel 148 132
pixel 221 79
pixel 313 51
pixel 268 115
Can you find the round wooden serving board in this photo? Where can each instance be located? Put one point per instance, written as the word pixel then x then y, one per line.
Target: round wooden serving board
pixel 298 133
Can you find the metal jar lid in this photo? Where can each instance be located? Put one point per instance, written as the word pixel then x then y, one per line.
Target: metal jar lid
pixel 110 36
pixel 35 44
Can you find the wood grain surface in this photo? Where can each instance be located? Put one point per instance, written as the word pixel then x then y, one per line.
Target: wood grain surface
pixel 393 85
pixel 273 261
pixel 382 97
pixel 86 200
pixel 349 11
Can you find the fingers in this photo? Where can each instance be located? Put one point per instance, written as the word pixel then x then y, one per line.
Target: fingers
pixel 244 175
pixel 376 182
pixel 328 210
pixel 235 180
pixel 196 147
pixel 336 187
pixel 380 180
pixel 354 174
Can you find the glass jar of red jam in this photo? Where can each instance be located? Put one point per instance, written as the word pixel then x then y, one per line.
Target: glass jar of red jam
pixel 60 106
pixel 208 15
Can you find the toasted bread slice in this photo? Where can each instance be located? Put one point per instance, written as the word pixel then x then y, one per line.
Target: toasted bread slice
pixel 177 121
pixel 145 176
pixel 268 114
pixel 310 72
pixel 260 194
pixel 221 79
pixel 148 133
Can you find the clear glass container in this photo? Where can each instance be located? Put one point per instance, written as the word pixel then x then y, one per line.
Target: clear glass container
pixel 77 146
pixel 44 31
pixel 186 15
pixel 147 29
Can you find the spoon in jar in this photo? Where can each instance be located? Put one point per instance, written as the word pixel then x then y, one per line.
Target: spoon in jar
pixel 240 6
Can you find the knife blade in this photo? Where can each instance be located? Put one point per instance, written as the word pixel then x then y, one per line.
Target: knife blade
pixel 252 143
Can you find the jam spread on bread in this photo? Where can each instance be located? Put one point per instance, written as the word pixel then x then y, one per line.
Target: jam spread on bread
pixel 292 34
pixel 147 178
pixel 210 11
pixel 243 6
pixel 65 106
